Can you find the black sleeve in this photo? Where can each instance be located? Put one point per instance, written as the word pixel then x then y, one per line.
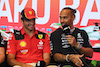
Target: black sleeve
pixel 86 40
pixel 55 45
pixel 1 41
pixel 2 44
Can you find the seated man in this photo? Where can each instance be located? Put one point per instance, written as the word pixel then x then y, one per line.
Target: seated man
pixel 70 44
pixel 2 50
pixel 28 47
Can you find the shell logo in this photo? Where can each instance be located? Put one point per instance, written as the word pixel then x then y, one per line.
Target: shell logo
pixel 6 52
pixel 23 44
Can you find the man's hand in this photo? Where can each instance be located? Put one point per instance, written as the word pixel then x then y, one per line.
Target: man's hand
pixel 75 58
pixel 71 40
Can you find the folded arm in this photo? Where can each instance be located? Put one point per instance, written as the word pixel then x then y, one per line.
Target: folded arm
pixel 46 58
pixel 2 54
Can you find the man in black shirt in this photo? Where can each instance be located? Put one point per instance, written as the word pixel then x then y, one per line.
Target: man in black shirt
pixel 2 50
pixel 70 44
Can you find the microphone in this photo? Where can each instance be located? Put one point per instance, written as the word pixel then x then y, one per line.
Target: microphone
pixel 40 64
pixel 66 29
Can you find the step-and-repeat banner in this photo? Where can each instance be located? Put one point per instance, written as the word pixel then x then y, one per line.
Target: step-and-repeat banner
pixel 47 12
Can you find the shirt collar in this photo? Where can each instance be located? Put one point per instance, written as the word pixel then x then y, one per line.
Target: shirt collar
pixel 71 30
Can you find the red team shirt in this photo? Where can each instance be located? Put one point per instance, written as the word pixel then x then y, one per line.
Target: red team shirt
pixel 28 50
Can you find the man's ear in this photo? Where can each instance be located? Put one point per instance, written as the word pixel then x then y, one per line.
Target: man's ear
pixel 73 17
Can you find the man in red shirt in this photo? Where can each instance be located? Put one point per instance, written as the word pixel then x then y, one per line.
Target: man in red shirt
pixel 28 45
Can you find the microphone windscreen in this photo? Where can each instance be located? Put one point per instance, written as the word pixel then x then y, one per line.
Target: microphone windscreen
pixel 66 29
pixel 40 64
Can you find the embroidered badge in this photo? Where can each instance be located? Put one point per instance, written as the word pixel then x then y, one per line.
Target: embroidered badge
pixel 40 45
pixel 22 43
pixel 79 35
pixel 40 36
pixel 24 51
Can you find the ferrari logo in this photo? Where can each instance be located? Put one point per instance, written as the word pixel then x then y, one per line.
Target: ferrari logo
pixel 40 36
pixel 30 12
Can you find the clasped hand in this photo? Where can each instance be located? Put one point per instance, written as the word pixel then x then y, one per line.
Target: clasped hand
pixel 75 58
pixel 71 40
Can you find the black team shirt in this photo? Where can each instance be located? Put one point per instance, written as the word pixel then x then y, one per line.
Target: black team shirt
pixel 59 42
pixel 1 41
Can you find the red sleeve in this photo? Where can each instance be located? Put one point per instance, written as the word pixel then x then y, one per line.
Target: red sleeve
pixel 11 47
pixel 46 48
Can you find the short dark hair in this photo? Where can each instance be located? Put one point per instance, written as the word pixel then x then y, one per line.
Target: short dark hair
pixel 72 10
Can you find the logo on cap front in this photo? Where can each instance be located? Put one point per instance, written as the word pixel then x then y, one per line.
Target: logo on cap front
pixel 30 12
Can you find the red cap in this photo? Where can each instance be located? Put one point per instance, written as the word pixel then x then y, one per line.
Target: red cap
pixel 29 13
